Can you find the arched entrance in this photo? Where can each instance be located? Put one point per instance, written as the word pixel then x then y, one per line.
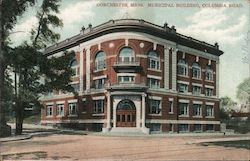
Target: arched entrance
pixel 126 114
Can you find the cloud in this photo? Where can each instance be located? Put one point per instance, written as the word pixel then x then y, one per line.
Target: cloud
pixel 214 25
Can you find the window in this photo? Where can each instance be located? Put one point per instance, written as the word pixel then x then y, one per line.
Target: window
pixel 210 110
pixel 208 92
pixel 98 106
pixel 84 105
pixel 210 127
pixel 72 108
pixel 154 127
pixel 60 109
pixel 197 127
pixel 76 87
pixel 182 68
pixel 74 66
pixel 126 79
pixel 196 70
pixel 208 73
pixel 171 107
pixel 49 110
pixel 100 60
pixel 171 128
pixel 196 90
pixel 100 83
pixel 183 109
pixel 154 106
pixel 126 55
pixel 183 128
pixel 197 110
pixel 154 60
pixel 182 88
pixel 154 83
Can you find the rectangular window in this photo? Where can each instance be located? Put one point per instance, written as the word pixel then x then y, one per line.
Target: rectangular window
pixel 210 127
pixel 76 87
pixel 183 109
pixel 196 90
pixel 155 127
pixel 84 105
pixel 100 64
pixel 98 106
pixel 171 128
pixel 154 106
pixel 171 107
pixel 182 88
pixel 197 110
pixel 72 108
pixel 100 83
pixel 154 64
pixel 210 110
pixel 183 128
pixel 197 127
pixel 154 83
pixel 209 75
pixel 196 72
pixel 49 110
pixel 208 92
pixel 182 70
pixel 60 109
pixel 126 79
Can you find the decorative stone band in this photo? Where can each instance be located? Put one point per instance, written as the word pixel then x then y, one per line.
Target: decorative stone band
pixel 74 121
pixel 181 121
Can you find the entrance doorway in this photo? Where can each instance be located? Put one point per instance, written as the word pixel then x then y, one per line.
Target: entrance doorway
pixel 126 114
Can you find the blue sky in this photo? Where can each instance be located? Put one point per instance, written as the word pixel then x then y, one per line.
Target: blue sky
pixel 226 25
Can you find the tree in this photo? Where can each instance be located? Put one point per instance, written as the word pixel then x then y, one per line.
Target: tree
pixel 32 66
pixel 9 11
pixel 243 91
pixel 227 104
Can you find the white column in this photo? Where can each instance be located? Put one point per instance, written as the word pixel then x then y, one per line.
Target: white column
pixel 138 116
pixel 166 67
pixel 88 69
pixel 143 110
pixel 174 68
pixel 114 116
pixel 108 110
pixel 217 77
pixel 81 68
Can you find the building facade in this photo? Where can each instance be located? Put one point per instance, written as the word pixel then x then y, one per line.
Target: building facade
pixel 132 74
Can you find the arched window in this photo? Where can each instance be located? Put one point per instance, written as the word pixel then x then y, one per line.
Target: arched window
pixel 126 105
pixel 100 60
pixel 74 66
pixel 182 68
pixel 154 60
pixel 196 70
pixel 208 73
pixel 126 55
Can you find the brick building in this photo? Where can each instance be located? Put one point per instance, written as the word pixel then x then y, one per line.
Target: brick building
pixel 134 75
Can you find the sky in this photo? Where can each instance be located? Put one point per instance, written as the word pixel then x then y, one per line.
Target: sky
pixel 225 22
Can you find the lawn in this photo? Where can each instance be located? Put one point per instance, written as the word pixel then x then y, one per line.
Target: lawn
pixel 237 144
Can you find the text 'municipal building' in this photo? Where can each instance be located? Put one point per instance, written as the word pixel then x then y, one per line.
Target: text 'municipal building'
pixel 132 75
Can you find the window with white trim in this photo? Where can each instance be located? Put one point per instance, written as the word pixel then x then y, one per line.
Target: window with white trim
pixel 100 83
pixel 197 109
pixel 183 127
pixel 49 110
pixel 208 73
pixel 197 127
pixel 209 110
pixel 196 90
pixel 100 60
pixel 210 127
pixel 182 68
pixel 75 67
pixel 208 91
pixel 98 106
pixel 126 79
pixel 171 107
pixel 60 109
pixel 183 109
pixel 126 55
pixel 154 83
pixel 73 108
pixel 196 71
pixel 154 60
pixel 154 106
pixel 182 88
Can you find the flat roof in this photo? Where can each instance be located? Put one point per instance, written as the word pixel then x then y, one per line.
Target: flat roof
pixel 136 25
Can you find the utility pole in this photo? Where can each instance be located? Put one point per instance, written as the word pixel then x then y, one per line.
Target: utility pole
pixel 5 130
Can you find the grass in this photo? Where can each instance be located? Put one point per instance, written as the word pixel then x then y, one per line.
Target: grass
pixel 245 144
